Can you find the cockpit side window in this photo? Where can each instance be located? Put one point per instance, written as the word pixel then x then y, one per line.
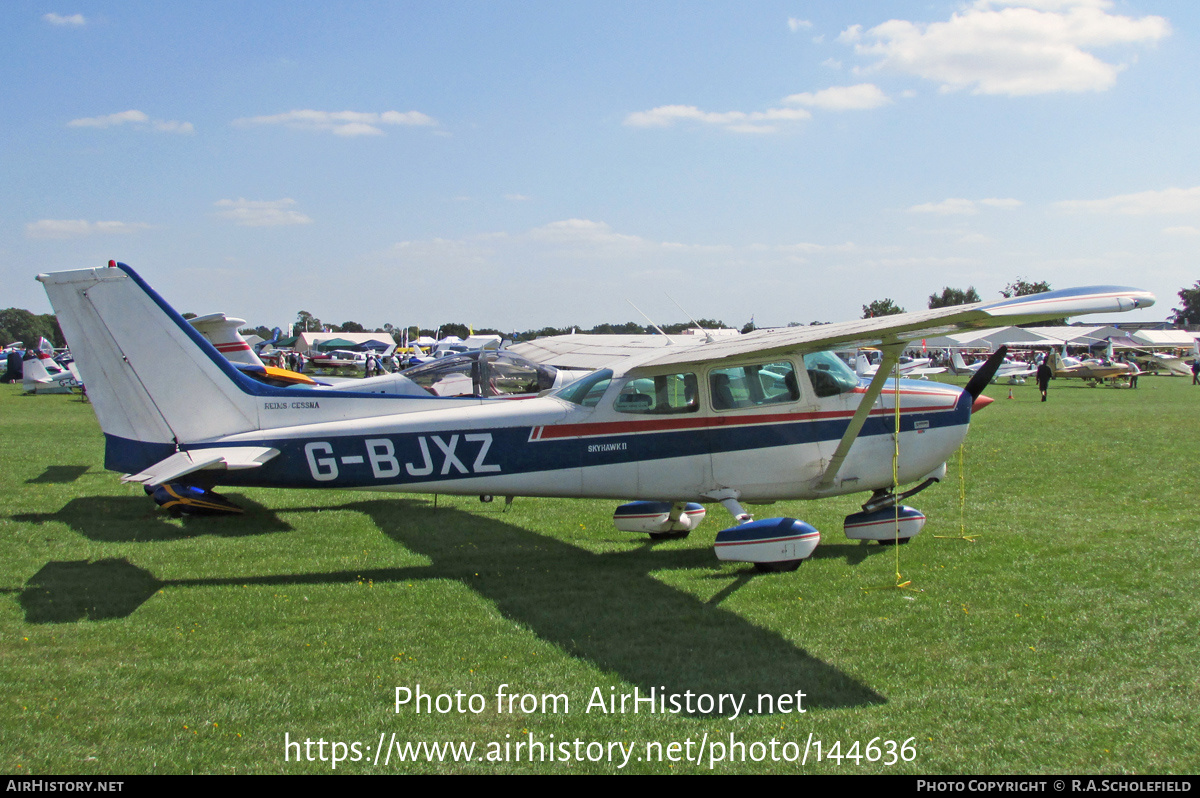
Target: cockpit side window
pixel 662 394
pixel 753 386
pixel 829 374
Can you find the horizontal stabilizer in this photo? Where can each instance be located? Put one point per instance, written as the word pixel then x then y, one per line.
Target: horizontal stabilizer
pixel 182 463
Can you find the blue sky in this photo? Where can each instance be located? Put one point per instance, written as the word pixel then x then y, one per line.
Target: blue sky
pixel 526 164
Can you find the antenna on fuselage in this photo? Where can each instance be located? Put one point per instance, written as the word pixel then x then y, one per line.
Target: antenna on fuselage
pixel 708 339
pixel 647 318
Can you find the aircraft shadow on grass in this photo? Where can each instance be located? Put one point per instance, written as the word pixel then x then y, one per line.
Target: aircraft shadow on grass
pixel 605 608
pixel 59 474
pixel 132 519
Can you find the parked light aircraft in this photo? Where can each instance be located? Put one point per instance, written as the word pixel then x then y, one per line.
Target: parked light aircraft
pixel 909 366
pixel 1155 361
pixel 1094 370
pixel 748 419
pixel 40 374
pixel 488 372
pixel 1179 366
pixel 1012 370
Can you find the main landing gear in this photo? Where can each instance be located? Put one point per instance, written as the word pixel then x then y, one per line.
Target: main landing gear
pixel 774 545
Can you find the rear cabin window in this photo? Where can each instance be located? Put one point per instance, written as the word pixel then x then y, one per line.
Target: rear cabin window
pixel 663 394
pixel 753 386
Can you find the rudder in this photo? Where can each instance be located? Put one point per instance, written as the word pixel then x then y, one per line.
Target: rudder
pixel 153 379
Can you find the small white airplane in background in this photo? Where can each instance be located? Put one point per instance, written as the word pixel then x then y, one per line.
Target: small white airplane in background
pixel 1179 366
pixel 40 374
pixel 751 419
pixel 1013 370
pixel 1144 361
pixel 1065 367
pixel 909 366
pixel 488 372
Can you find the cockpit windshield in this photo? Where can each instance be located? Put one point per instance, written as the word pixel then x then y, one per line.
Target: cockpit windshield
pixel 587 391
pixel 829 374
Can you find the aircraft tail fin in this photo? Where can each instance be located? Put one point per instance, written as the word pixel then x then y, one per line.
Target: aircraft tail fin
pixel 33 374
pixel 154 381
pixel 276 334
pixel 986 372
pixel 222 332
pixel 956 359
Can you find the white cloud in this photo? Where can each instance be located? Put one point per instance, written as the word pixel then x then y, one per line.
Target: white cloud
pixel 1184 230
pixel 112 120
pixel 583 233
pixel 850 35
pixel 163 126
pixel 75 20
pixel 78 228
pixel 796 25
pixel 964 207
pixel 586 238
pixel 341 123
pixel 948 207
pixel 1144 203
pixel 835 98
pixel 565 259
pixel 261 213
pixel 135 119
pixel 735 121
pixel 1008 47
pixel 842 98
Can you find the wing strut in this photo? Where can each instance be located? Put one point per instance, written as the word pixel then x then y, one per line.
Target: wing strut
pixel 891 355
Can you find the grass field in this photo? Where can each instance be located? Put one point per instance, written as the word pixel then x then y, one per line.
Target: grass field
pixel 1063 639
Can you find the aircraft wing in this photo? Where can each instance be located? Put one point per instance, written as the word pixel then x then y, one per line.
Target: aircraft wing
pixel 182 463
pixel 594 351
pixel 906 327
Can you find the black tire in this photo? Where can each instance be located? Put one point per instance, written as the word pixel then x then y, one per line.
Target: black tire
pixel 777 567
pixel 670 535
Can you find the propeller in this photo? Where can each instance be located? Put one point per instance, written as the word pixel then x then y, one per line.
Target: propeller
pixel 982 377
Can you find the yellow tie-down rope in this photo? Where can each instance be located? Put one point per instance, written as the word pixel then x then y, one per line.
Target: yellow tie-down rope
pixel 901 583
pixel 962 504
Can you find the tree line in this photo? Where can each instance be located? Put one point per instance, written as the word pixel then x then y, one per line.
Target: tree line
pixel 17 324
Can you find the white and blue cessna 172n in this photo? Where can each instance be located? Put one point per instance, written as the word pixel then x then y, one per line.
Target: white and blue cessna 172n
pixel 754 418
